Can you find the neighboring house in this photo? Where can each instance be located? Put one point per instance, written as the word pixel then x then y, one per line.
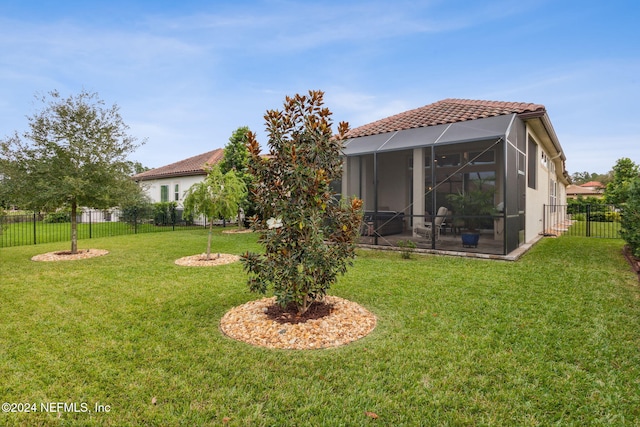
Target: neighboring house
pixel 589 189
pixel 404 166
pixel 169 183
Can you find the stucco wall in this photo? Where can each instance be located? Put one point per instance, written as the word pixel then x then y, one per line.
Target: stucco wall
pixel 152 187
pixel 540 196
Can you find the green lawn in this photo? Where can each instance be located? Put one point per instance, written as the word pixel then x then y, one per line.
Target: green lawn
pixel 553 339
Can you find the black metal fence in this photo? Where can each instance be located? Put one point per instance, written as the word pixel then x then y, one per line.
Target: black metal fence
pixel 18 229
pixel 589 220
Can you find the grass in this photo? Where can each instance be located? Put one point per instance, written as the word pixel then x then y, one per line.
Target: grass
pixel 553 339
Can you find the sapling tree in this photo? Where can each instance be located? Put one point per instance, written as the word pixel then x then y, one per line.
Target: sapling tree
pixel 74 155
pixel 218 196
pixel 308 234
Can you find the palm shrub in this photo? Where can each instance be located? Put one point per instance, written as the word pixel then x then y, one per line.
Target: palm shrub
pixel 308 235
pixel 630 218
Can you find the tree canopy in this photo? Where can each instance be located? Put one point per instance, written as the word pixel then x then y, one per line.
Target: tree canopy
pixel 73 155
pixel 624 173
pixel 236 158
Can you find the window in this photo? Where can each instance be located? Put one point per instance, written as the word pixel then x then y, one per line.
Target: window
pixel 176 195
pixel 480 158
pixel 532 164
pixel 448 160
pixel 164 193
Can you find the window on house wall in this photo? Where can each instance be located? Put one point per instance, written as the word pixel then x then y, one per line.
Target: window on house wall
pixel 164 193
pixel 176 195
pixel 544 159
pixel 532 164
pixel 553 195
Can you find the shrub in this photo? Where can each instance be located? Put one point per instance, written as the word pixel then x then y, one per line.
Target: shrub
pixel 57 217
pixel 630 218
pixel 406 248
pixel 164 213
pixel 309 236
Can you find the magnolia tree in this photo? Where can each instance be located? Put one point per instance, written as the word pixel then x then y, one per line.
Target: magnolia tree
pixel 308 235
pixel 218 196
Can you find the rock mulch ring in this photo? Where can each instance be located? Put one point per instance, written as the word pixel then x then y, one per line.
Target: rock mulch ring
pixel 201 260
pixel 331 323
pixel 68 256
pixel 237 231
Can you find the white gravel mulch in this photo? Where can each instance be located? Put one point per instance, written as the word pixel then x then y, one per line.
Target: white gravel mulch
pixel 68 256
pixel 250 323
pixel 237 231
pixel 201 260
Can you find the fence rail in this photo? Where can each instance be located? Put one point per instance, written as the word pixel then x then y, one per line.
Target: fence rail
pixel 593 220
pixel 18 229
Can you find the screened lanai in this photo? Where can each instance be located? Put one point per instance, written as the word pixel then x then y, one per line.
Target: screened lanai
pixel 431 184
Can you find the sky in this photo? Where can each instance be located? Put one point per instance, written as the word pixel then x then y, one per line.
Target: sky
pixel 186 74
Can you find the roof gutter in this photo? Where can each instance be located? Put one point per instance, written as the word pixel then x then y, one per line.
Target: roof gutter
pixel 546 123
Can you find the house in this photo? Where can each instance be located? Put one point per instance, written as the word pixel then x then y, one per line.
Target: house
pixel 588 189
pixel 169 183
pixel 404 167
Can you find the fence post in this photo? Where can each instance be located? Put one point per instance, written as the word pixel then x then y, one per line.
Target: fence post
pixel 588 230
pixel 135 220
pixel 34 228
pixel 90 213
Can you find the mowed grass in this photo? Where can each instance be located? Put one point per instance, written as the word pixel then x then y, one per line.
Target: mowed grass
pixel 553 339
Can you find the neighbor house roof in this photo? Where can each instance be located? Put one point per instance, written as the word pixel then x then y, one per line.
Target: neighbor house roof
pixel 196 165
pixel 582 190
pixel 443 112
pixel 593 184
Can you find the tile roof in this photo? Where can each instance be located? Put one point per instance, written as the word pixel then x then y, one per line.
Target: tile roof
pixel 574 190
pixel 446 111
pixel 594 184
pixel 195 165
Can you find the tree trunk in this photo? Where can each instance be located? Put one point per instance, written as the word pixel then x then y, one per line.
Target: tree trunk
pixel 74 228
pixel 209 238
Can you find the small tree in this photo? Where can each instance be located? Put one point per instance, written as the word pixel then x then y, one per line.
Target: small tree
pixel 74 155
pixel 217 196
pixel 309 237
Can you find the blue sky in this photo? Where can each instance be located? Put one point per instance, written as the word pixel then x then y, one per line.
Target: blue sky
pixel 187 73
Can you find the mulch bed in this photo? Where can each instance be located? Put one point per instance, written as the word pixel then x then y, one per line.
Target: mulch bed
pixel 68 256
pixel 201 260
pixel 238 231
pixel 331 323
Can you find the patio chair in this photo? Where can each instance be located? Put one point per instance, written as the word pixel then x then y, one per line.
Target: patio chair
pixel 426 230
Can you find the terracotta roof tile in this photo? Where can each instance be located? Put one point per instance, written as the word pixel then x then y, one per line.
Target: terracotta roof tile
pixel 195 165
pixel 445 111
pixel 594 184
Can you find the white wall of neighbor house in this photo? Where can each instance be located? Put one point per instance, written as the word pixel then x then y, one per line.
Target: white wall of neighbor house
pixel 153 188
